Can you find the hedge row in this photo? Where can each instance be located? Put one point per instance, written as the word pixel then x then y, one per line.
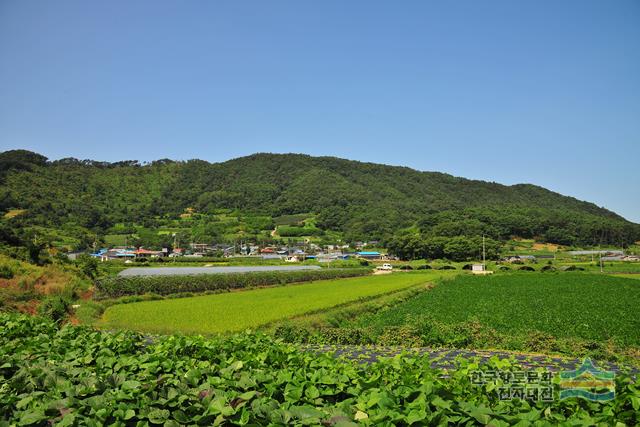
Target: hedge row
pixel 114 287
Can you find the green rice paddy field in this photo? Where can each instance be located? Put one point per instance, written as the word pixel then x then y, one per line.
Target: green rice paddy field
pixel 237 311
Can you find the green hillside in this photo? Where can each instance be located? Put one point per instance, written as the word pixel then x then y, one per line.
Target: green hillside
pixel 74 202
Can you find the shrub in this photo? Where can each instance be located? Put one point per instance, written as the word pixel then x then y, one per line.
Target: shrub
pixel 541 341
pixel 119 286
pixel 88 265
pixel 424 267
pixel 55 307
pixel 406 267
pixel 406 336
pixel 344 336
pixel 6 272
pixel 526 268
pixel 571 268
pixel 446 267
pixel 292 334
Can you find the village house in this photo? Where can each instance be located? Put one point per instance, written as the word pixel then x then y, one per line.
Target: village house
pixel 515 259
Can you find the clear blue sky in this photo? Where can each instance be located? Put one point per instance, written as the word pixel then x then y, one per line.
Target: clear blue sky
pixel 545 92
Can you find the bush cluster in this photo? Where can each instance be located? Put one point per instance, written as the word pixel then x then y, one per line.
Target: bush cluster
pixel 119 286
pixel 55 307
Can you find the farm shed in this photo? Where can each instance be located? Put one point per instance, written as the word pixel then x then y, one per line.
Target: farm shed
pixel 369 255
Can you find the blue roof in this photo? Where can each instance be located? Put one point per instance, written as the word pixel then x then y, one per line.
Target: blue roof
pixel 368 253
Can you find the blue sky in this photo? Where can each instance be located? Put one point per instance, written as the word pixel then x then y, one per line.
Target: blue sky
pixel 544 92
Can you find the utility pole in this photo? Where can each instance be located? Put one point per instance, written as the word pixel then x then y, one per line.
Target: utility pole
pixel 601 269
pixel 484 267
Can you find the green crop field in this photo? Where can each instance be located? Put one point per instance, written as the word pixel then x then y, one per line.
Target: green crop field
pixel 627 275
pixel 68 376
pixel 237 311
pixel 535 311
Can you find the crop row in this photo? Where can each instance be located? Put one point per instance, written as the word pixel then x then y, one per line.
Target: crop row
pixel 119 286
pixel 78 376
pixel 573 313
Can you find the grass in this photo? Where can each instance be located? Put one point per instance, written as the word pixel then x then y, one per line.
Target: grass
pixel 628 275
pixel 294 219
pixel 116 239
pixel 237 311
pixel 565 305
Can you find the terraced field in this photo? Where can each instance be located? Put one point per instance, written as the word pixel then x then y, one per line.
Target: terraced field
pixel 237 311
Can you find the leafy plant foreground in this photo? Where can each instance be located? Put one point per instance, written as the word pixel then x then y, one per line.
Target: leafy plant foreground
pixel 78 376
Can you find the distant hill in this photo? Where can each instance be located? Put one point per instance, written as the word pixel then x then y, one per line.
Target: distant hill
pixel 359 200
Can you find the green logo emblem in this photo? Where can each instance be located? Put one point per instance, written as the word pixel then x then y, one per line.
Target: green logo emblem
pixel 588 382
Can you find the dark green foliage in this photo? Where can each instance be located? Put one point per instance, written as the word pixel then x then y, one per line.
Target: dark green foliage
pixel 19 160
pixel 571 268
pixel 325 335
pixel 82 199
pixel 88 265
pixel 119 286
pixel 459 248
pixel 288 231
pixel 55 307
pixel 6 272
pixel 53 375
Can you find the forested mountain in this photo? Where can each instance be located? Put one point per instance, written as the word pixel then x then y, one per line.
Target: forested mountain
pixel 359 200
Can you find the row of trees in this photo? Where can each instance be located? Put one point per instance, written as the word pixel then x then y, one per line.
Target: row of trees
pixel 459 248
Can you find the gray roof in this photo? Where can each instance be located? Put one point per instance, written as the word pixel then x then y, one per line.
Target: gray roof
pixel 184 271
pixel 603 251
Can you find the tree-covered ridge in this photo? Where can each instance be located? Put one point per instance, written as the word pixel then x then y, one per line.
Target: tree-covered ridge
pixel 358 200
